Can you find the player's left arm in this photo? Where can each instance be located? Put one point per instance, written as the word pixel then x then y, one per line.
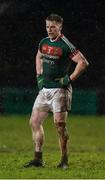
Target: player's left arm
pixel 82 64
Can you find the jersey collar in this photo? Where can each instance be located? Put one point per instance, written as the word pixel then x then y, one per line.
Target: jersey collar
pixel 57 38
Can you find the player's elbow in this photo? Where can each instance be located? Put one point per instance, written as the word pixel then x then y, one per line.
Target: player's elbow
pixel 84 64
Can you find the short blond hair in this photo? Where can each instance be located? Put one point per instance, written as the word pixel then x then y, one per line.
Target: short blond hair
pixel 55 17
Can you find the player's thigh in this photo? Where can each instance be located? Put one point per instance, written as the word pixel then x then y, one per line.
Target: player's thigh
pixel 60 117
pixel 37 117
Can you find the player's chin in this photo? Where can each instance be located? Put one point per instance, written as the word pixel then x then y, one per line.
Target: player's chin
pixel 50 36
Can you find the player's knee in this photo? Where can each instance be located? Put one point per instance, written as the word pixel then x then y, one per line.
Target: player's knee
pixel 62 130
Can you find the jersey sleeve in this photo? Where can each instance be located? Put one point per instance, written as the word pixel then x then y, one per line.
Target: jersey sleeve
pixel 41 44
pixel 71 49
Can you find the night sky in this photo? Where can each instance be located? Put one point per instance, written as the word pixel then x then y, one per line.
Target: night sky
pixel 22 26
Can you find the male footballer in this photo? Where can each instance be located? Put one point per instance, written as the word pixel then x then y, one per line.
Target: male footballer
pixel 55 91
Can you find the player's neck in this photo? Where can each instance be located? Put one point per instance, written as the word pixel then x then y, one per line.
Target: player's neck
pixel 55 38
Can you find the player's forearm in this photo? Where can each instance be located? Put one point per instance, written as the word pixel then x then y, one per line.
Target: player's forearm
pixel 38 69
pixel 38 64
pixel 82 64
pixel 80 68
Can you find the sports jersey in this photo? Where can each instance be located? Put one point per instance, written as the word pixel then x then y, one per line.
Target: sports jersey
pixel 56 56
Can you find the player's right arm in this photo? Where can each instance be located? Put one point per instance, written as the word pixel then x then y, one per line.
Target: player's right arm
pixel 39 69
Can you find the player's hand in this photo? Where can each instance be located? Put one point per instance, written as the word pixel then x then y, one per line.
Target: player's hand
pixel 40 81
pixel 65 81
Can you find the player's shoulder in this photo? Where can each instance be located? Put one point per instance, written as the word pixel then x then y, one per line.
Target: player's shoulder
pixel 44 40
pixel 67 42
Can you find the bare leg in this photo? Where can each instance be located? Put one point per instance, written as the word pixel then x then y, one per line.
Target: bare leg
pixel 60 121
pixel 36 121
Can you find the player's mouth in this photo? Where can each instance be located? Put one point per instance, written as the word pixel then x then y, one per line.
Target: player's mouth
pixel 50 34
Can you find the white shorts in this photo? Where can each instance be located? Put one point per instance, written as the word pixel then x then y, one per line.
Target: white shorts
pixel 54 100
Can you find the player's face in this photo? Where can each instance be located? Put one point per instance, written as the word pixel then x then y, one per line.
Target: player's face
pixel 53 29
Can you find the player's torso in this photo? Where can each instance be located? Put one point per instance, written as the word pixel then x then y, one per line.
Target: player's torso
pixel 55 57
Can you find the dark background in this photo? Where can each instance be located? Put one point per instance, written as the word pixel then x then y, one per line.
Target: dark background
pixel 22 26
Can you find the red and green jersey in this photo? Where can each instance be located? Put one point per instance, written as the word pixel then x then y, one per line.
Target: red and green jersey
pixel 56 59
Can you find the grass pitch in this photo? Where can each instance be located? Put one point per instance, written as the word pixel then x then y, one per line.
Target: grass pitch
pixel 86 148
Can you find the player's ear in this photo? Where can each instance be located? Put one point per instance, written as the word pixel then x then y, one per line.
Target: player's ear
pixel 60 27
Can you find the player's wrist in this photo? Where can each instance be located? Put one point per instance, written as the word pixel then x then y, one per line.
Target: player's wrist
pixel 66 80
pixel 40 81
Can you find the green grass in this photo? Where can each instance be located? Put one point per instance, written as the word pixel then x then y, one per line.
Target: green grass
pixel 86 148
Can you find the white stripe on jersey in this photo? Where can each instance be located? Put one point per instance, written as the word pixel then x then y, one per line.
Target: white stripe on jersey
pixel 71 46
